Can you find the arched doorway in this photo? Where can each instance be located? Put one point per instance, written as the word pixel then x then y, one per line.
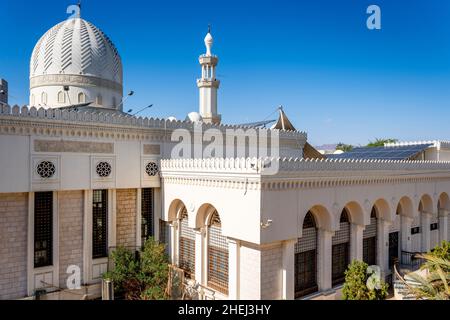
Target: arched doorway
pixel 341 249
pixel 306 258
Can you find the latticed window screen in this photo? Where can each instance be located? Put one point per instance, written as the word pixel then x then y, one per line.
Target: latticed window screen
pixel 187 246
pixel 43 229
pixel 370 240
pixel 164 232
pixel 306 259
pixel 217 256
pixel 100 224
pixel 341 250
pixel 147 214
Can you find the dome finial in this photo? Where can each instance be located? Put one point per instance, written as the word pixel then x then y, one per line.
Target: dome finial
pixel 79 8
pixel 209 41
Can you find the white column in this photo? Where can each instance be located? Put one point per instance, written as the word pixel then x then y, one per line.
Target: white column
pixel 356 242
pixel 233 269
pixel 288 269
pixel 324 259
pixel 425 234
pixel 174 242
pixel 383 245
pixel 199 243
pixel 443 225
pixel 406 233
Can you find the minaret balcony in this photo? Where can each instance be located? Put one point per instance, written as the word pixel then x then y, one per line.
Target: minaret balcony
pixel 208 83
pixel 208 60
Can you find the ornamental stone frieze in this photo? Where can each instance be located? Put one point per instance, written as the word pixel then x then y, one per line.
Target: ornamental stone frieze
pixel 74 80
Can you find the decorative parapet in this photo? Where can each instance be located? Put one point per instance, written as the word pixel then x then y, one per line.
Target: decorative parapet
pixel 254 165
pixel 119 119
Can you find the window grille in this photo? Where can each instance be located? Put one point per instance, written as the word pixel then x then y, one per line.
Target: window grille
pixel 217 256
pixel 151 169
pixel 46 169
pixel 147 214
pixel 187 247
pixel 100 224
pixel 103 169
pixel 434 226
pixel 43 229
pixel 306 259
pixel 341 250
pixel 164 234
pixel 370 241
pixel 393 247
pixel 369 250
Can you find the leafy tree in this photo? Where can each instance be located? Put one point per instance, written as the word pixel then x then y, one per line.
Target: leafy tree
pixel 143 277
pixel 344 147
pixel 359 284
pixel 381 142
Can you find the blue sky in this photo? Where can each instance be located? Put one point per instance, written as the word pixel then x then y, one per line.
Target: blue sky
pixel 336 79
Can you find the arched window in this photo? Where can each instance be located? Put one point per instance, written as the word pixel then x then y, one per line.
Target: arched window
pixel 99 100
pixel 217 256
pixel 61 97
pixel 370 240
pixel 81 98
pixel 44 98
pixel 306 259
pixel 341 249
pixel 33 100
pixel 187 246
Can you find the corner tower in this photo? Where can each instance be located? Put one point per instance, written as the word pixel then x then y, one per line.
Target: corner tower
pixel 208 84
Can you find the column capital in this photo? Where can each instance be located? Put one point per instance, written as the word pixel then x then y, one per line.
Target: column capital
pixel 426 214
pixel 200 231
pixel 443 213
pixel 233 241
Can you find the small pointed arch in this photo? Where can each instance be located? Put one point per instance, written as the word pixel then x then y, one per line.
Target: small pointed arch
pixel 405 207
pixel 44 98
pixel 309 221
pixel 444 202
pixel 81 98
pixel 176 209
pixel 355 213
pixel 426 204
pixel 204 215
pixel 383 210
pixel 322 217
pixel 61 97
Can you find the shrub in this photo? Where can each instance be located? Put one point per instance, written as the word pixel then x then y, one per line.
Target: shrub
pixel 357 278
pixel 140 278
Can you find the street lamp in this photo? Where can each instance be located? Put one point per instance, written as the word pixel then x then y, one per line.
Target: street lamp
pixel 125 99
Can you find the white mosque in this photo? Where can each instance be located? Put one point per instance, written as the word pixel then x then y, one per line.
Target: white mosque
pixel 79 177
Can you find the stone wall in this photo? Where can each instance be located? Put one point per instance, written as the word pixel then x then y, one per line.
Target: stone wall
pixel 271 275
pixel 250 272
pixel 13 245
pixel 126 217
pixel 70 211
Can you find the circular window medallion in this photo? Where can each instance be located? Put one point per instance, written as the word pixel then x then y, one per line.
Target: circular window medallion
pixel 103 169
pixel 152 169
pixel 46 169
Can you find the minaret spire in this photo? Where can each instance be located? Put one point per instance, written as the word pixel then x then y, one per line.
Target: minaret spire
pixel 208 84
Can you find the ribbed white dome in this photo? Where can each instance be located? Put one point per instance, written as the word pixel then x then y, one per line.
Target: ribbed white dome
pixel 76 47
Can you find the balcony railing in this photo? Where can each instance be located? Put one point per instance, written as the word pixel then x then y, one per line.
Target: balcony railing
pixel 411 260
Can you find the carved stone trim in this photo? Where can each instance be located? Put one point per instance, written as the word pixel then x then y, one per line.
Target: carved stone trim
pixel 73 146
pixel 75 80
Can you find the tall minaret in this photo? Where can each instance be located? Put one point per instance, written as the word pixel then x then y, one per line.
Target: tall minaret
pixel 208 84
